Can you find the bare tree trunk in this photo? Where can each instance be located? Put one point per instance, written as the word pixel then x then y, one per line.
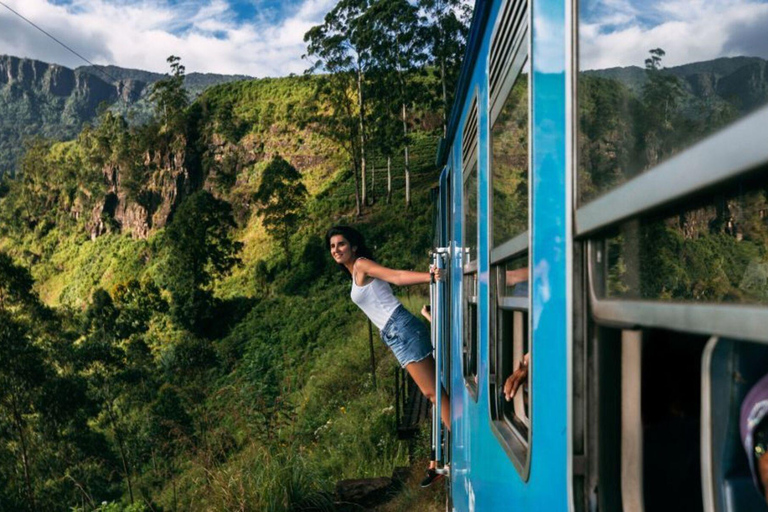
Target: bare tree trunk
pixel 19 422
pixel 407 162
pixel 358 210
pixel 361 117
pixel 389 179
pixel 445 97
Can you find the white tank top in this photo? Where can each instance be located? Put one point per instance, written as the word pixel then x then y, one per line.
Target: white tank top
pixel 376 300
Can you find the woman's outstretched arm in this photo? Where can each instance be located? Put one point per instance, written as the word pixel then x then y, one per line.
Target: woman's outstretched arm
pixel 397 277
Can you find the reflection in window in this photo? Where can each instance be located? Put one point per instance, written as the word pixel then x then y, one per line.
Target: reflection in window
pixel 652 82
pixel 712 251
pixel 469 247
pixel 469 339
pixel 470 216
pixel 509 165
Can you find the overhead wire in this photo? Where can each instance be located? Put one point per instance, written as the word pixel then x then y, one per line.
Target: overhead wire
pixel 97 68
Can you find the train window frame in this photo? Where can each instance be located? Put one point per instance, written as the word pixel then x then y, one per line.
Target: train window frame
pixel 733 152
pixel 469 269
pixel 509 316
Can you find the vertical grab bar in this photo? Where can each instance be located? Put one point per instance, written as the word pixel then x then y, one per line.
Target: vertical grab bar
pixel 436 351
pixel 437 332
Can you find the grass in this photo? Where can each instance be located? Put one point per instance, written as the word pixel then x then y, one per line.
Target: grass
pixel 295 408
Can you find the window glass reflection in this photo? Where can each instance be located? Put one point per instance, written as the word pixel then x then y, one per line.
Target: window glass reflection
pixel 509 164
pixel 656 77
pixel 470 216
pixel 710 251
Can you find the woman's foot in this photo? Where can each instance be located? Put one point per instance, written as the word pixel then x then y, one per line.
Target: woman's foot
pixel 432 477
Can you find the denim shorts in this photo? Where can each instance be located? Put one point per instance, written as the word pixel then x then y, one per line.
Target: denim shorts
pixel 407 337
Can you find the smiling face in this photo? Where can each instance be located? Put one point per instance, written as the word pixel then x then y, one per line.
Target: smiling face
pixel 341 251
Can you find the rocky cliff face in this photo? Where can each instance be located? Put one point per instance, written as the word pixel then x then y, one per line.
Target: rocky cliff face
pixel 168 184
pixel 52 101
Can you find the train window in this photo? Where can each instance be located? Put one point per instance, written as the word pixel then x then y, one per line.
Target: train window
pixel 510 348
pixel 470 332
pixel 707 250
pixel 652 82
pixel 509 168
pixel 469 247
pixel 671 246
pixel 660 419
pixel 470 218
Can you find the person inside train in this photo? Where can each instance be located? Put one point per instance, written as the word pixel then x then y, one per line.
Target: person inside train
pixel 517 280
pixel 403 333
pixel 754 433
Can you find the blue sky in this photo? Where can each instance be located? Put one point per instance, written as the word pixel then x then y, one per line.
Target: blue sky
pixel 253 37
pixel 620 32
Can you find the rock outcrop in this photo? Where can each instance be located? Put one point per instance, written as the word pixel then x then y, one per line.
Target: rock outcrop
pixel 169 182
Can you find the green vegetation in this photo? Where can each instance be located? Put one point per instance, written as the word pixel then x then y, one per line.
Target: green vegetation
pixel 173 334
pixel 713 249
pixel 280 198
pixel 53 102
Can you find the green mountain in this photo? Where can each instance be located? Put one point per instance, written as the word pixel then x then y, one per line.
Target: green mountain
pixel 55 102
pixel 739 81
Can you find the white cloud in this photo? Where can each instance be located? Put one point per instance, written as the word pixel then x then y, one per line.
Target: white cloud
pixel 688 30
pixel 142 34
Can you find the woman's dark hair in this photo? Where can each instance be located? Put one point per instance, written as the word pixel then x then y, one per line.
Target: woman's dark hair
pixel 355 239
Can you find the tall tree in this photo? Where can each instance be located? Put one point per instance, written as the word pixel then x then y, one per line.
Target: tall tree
pixel 396 39
pixel 386 129
pixel 280 197
pixel 23 371
pixel 661 94
pixel 200 248
pixel 170 96
pixel 446 27
pixel 341 47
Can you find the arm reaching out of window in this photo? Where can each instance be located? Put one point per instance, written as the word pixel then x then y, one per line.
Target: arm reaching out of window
pixel 516 276
pixel 518 377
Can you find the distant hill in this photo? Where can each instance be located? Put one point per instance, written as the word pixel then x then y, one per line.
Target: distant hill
pixel 53 101
pixel 195 83
pixel 739 81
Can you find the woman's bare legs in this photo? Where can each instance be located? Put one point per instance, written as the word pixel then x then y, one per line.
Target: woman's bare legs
pixel 423 374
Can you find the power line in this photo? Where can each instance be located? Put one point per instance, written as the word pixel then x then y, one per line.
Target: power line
pixel 62 44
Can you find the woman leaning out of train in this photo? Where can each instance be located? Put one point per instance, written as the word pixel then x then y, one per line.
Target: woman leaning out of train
pixel 404 334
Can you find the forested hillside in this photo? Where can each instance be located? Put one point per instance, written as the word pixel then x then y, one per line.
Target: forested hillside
pixel 633 119
pixel 55 102
pixel 173 334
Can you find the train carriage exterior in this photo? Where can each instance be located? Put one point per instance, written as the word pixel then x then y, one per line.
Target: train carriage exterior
pixel 609 225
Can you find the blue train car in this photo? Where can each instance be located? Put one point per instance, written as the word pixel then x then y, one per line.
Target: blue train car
pixel 603 219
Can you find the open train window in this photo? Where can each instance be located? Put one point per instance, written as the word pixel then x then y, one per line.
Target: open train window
pixel 684 280
pixel 510 347
pixel 469 248
pixel 671 267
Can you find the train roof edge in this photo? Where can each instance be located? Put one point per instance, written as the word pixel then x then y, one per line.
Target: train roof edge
pixel 474 41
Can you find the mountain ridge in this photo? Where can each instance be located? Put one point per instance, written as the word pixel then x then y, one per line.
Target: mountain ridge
pixel 40 99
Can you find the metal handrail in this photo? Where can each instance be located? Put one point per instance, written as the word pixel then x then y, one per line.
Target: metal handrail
pixel 436 299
